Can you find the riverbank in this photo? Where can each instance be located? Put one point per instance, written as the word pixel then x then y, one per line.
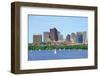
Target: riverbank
pixel 52 47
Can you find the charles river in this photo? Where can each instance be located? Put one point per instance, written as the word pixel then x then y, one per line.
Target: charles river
pixel 57 54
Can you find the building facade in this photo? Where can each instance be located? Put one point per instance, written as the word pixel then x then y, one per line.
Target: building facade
pixel 68 38
pixel 73 38
pixel 79 37
pixel 54 34
pixel 85 39
pixel 46 36
pixel 60 37
pixel 37 39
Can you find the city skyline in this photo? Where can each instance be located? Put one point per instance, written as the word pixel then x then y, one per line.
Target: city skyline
pixel 54 36
pixel 64 24
pixel 47 33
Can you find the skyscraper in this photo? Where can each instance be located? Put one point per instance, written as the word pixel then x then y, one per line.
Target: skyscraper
pixel 73 37
pixel 37 39
pixel 68 38
pixel 46 36
pixel 60 36
pixel 79 37
pixel 54 34
pixel 85 37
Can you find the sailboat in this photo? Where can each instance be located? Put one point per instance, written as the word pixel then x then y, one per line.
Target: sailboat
pixel 55 51
pixel 39 49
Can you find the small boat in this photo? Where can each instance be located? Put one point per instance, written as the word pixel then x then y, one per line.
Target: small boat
pixel 30 50
pixel 55 51
pixel 39 50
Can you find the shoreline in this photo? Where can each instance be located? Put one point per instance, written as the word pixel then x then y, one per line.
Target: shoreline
pixel 56 47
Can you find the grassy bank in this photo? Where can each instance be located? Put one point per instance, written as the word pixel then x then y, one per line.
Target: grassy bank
pixel 51 47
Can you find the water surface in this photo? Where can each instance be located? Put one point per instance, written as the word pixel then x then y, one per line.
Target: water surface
pixel 57 54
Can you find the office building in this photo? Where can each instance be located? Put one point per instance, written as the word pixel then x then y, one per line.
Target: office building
pixel 85 38
pixel 73 37
pixel 79 37
pixel 60 36
pixel 54 34
pixel 37 39
pixel 46 36
pixel 68 38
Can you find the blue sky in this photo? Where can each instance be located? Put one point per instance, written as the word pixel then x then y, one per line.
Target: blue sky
pixel 37 24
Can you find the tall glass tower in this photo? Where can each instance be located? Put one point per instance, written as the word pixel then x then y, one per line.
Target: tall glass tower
pixel 54 34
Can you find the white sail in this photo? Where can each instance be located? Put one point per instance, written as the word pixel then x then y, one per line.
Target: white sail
pixel 55 51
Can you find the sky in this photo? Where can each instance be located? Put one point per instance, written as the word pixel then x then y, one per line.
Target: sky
pixel 37 24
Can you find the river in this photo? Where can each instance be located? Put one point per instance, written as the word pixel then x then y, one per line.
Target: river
pixel 57 54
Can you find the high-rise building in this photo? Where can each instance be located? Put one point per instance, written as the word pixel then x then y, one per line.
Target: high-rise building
pixel 60 36
pixel 54 34
pixel 37 39
pixel 68 38
pixel 85 37
pixel 46 36
pixel 79 37
pixel 73 37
